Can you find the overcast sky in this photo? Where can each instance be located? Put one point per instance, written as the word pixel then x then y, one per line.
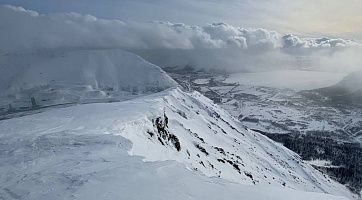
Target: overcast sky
pixel 304 17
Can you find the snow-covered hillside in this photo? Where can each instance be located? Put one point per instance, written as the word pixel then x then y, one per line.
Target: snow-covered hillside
pixel 65 76
pixel 78 152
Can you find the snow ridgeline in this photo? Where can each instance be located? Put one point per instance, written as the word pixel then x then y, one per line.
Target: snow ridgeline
pixel 45 78
pixel 73 152
pixel 79 152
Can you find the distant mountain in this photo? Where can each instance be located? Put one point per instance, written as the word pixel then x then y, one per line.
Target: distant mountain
pixel 347 91
pixel 60 76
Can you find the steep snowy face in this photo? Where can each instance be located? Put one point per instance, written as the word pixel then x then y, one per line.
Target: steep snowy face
pixel 72 76
pixel 213 142
pixel 174 125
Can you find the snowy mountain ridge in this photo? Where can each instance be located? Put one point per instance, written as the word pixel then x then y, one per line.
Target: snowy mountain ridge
pixel 211 141
pixel 79 152
pixel 42 155
pixel 214 143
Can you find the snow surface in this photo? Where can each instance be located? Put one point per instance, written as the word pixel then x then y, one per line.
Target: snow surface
pixel 79 152
pixel 322 163
pixel 291 79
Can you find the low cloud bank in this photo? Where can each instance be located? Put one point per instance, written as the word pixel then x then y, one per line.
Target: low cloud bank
pixel 212 45
pixel 22 29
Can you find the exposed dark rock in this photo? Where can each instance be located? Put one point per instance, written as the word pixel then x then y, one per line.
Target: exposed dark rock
pixel 164 136
pixel 202 149
pixel 249 175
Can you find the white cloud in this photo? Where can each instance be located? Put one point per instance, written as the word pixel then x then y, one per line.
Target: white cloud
pixel 25 29
pixel 213 45
pixel 290 40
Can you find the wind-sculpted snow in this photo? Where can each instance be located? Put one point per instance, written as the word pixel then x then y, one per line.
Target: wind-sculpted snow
pixel 80 150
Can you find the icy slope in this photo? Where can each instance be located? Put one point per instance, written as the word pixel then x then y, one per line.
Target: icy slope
pixel 210 140
pixel 59 76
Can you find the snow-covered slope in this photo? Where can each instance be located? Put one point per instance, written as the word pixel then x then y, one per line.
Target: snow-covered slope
pixel 63 76
pixel 79 150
